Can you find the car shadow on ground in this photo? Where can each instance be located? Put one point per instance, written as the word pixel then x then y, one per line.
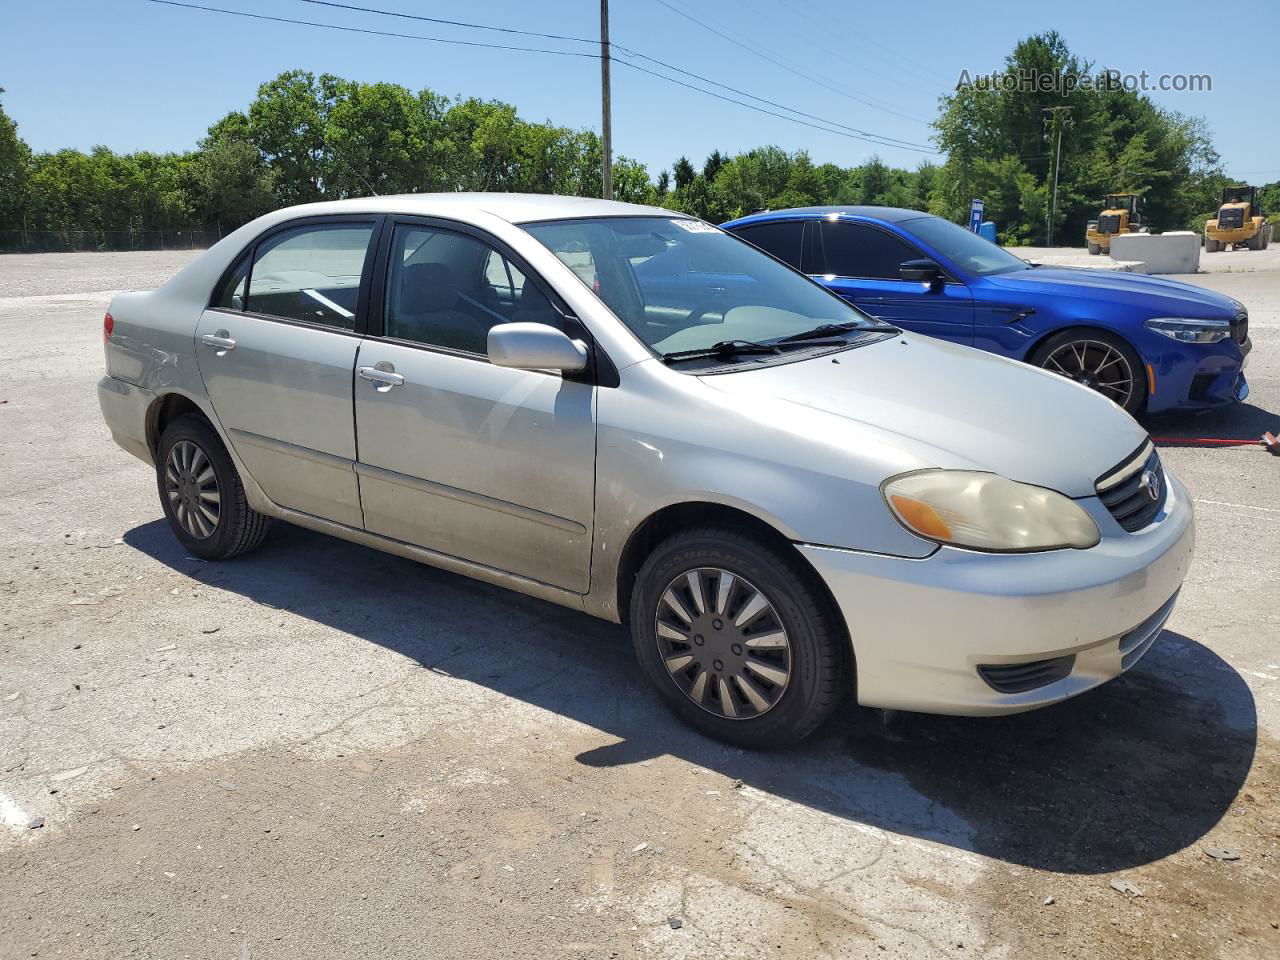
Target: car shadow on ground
pixel 1239 421
pixel 1119 777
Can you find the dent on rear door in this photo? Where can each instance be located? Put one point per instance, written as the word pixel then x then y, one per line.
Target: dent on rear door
pixel 283 396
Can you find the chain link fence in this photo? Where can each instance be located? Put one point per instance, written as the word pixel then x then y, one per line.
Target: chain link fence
pixel 76 239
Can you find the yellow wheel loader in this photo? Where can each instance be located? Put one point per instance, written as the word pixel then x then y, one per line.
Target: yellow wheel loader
pixel 1241 222
pixel 1119 215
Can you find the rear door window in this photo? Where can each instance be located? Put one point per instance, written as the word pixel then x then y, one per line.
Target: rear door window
pixel 781 238
pixel 846 249
pixel 311 274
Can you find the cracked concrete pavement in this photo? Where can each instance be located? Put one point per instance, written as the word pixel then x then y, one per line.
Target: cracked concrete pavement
pixel 318 750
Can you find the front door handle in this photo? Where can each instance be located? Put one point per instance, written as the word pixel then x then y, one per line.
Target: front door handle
pixel 220 341
pixel 382 375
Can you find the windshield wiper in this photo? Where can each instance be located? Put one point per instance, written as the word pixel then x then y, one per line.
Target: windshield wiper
pixel 724 349
pixel 824 330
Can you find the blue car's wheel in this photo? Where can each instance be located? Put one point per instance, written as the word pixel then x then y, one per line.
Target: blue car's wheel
pixel 1099 360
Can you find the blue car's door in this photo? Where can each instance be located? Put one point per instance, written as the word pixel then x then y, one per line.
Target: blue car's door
pixel 861 263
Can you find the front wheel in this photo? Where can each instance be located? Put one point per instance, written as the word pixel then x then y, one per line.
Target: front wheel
pixel 1098 360
pixel 201 492
pixel 738 638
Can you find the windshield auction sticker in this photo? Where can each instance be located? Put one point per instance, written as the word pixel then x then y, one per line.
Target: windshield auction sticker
pixel 695 226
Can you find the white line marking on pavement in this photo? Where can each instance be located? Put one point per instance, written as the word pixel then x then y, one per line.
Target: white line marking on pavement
pixel 1241 506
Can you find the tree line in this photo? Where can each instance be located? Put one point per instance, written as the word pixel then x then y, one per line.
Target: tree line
pixel 306 137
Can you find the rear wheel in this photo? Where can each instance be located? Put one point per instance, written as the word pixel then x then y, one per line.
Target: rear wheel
pixel 1099 360
pixel 201 492
pixel 1211 245
pixel 1094 249
pixel 738 639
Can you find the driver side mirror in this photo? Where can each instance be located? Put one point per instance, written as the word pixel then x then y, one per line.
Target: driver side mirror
pixel 922 271
pixel 535 346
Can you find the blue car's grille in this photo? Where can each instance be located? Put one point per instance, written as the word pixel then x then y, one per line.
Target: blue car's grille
pixel 1136 490
pixel 1240 326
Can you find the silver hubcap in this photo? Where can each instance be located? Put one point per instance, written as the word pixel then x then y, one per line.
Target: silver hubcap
pixel 192 489
pixel 1097 365
pixel 723 643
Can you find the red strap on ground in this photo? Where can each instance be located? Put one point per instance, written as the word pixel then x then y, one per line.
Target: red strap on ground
pixel 1206 441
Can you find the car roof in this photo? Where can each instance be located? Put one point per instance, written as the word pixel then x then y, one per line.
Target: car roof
pixel 885 214
pixel 512 207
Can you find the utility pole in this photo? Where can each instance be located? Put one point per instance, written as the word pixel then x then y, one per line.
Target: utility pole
pixel 1057 121
pixel 606 125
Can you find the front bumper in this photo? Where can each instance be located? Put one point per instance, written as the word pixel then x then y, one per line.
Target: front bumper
pixel 921 628
pixel 1198 376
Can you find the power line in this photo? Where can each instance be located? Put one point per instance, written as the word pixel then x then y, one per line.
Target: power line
pixel 842 55
pixel 784 66
pixel 780 116
pixel 888 141
pixel 850 133
pixel 451 23
pixel 376 33
pixel 894 58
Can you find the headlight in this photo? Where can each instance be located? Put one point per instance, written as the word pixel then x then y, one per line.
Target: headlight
pixel 984 511
pixel 1191 331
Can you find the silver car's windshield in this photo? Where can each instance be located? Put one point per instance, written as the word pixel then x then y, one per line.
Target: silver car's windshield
pixel 682 285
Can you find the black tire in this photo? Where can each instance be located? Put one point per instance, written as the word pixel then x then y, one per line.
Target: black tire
pixel 818 655
pixel 1094 250
pixel 1211 245
pixel 1046 356
pixel 237 527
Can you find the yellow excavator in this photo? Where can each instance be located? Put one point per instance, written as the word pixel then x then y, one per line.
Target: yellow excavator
pixel 1119 215
pixel 1241 222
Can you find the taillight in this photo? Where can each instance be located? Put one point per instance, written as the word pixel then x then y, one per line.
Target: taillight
pixel 108 324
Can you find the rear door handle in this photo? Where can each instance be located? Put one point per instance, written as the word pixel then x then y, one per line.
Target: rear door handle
pixel 383 376
pixel 221 341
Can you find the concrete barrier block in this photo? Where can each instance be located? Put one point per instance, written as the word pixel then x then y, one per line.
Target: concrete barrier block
pixel 1175 252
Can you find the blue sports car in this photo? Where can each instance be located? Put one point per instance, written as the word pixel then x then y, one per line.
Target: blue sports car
pixel 1148 343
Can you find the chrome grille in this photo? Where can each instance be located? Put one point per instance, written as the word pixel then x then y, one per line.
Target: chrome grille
pixel 1135 490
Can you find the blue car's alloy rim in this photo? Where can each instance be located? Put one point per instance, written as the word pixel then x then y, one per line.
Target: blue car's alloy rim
pixel 1097 365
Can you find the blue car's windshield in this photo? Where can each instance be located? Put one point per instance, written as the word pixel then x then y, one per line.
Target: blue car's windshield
pixel 966 250
pixel 683 285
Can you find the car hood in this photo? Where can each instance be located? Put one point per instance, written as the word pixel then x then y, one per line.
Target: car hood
pixel 951 406
pixel 1158 295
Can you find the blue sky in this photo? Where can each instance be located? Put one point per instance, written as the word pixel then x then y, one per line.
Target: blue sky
pixel 136 75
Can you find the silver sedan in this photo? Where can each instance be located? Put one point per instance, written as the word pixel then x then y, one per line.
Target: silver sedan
pixel 629 412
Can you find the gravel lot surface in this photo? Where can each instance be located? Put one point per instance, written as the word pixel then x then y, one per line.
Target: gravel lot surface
pixel 322 751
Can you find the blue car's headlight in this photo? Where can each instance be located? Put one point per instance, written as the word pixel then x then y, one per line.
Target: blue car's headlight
pixel 1191 331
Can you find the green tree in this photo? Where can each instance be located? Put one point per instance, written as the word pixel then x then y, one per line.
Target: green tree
pixel 711 168
pixel 15 161
pixel 683 173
